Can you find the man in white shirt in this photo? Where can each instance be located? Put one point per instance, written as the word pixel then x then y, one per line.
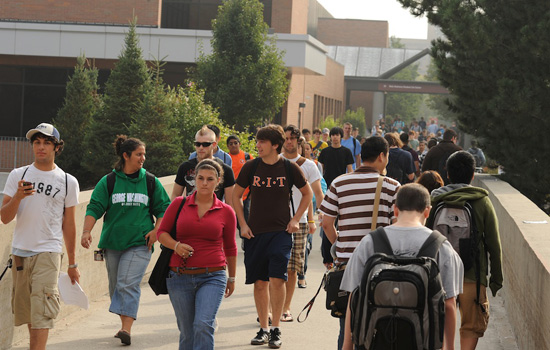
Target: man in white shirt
pixel 306 224
pixel 43 198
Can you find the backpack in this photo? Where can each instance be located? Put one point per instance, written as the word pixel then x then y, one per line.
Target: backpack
pixel 246 156
pixel 394 171
pixel 458 225
pixel 151 185
pixel 288 171
pixel 400 303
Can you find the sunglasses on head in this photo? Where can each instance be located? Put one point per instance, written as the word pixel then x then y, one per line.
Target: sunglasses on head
pixel 203 144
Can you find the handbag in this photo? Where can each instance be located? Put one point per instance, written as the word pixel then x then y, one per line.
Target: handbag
pixel 158 277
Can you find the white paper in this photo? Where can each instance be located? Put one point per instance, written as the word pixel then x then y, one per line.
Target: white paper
pixel 72 294
pixel 535 222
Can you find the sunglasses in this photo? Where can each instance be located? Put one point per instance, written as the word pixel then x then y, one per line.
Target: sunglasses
pixel 203 144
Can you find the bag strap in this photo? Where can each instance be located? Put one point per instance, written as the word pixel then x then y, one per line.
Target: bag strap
pixel 318 145
pixel 301 161
pixel 310 303
pixel 376 203
pixel 381 243
pixel 151 186
pixel 290 183
pixel 9 265
pixel 25 172
pixel 173 231
pixel 431 245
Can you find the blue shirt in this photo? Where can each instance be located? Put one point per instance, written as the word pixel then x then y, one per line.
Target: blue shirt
pixel 349 143
pixel 226 158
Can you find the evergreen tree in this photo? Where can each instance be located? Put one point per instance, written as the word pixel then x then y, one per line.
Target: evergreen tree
pixel 245 76
pixel 123 90
pixel 73 118
pixel 496 62
pixel 155 124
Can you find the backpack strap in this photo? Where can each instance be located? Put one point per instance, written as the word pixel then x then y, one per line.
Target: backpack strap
pixel 22 176
pixel 381 243
pixel 431 245
pixel 255 163
pixel 246 156
pixel 111 179
pixel 151 186
pixel 374 220
pixel 301 161
pixel 318 145
pixel 290 183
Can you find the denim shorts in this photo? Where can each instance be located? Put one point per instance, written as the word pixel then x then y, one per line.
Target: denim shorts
pixel 125 269
pixel 266 256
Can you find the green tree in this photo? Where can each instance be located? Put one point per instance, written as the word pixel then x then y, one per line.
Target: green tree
pixel 404 104
pixel 357 119
pixel 123 90
pixel 155 124
pixel 329 123
pixel 73 118
pixel 244 77
pixel 439 103
pixel 494 62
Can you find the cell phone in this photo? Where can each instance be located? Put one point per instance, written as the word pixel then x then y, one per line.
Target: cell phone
pixel 26 183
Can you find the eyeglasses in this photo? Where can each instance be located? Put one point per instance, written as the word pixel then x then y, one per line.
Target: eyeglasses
pixel 203 144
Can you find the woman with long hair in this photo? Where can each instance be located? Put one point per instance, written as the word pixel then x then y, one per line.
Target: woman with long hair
pixel 129 197
pixel 204 249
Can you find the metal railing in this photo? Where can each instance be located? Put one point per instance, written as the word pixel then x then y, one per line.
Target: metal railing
pixel 14 152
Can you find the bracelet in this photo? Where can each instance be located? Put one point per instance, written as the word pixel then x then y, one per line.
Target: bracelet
pixel 176 246
pixel 231 279
pixel 73 266
pixel 311 221
pixel 84 231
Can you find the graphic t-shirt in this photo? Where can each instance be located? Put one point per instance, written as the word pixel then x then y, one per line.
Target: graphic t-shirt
pixel 39 225
pixel 186 177
pixel 269 194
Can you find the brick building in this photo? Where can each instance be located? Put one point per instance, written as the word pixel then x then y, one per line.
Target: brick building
pixel 41 39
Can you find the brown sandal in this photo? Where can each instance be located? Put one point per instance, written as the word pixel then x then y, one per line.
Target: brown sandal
pixel 124 337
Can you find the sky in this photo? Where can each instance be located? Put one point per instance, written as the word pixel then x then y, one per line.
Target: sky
pixel 401 23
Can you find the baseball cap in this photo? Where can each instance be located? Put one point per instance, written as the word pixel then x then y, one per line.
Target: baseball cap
pixel 46 129
pixel 326 131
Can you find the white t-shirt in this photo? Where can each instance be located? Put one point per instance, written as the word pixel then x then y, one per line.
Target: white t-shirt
pixel 407 241
pixel 40 216
pixel 312 174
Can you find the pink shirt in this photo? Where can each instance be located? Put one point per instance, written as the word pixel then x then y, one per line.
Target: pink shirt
pixel 212 236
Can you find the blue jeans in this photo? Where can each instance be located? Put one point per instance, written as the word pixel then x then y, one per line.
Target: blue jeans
pixel 125 269
pixel 196 300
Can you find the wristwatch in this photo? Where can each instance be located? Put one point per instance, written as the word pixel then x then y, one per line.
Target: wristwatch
pixel 231 279
pixel 73 266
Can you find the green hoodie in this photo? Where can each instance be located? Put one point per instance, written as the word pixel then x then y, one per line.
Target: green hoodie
pixel 127 219
pixel 487 224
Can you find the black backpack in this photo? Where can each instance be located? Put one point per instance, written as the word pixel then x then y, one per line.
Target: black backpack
pixel 400 303
pixel 393 170
pixel 151 185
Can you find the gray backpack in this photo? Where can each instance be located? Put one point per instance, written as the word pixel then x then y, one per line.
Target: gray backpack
pixel 400 303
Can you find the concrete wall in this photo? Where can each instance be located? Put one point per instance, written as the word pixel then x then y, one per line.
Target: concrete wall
pixel 93 273
pixel 526 263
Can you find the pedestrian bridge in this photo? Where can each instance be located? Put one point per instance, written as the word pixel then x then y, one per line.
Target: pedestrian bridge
pixel 522 301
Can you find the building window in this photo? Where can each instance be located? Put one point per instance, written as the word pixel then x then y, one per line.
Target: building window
pixel 197 14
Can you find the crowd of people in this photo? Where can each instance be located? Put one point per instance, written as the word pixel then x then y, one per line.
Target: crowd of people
pixel 349 183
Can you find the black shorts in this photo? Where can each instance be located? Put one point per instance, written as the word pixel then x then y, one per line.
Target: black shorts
pixel 266 255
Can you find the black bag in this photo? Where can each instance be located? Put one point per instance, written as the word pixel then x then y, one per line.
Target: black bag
pixel 337 300
pixel 157 280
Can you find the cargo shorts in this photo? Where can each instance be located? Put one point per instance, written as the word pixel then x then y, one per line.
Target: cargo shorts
pixel 35 295
pixel 473 321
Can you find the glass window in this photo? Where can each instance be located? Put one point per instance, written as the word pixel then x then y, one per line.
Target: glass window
pixel 41 104
pixel 10 109
pixel 11 74
pixel 50 76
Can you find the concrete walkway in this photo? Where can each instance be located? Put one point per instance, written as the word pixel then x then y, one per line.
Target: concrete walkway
pixel 156 325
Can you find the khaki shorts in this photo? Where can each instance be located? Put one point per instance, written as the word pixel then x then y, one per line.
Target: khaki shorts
pixel 298 253
pixel 473 321
pixel 35 297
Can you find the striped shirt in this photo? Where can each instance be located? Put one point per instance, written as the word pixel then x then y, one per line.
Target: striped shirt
pixel 351 199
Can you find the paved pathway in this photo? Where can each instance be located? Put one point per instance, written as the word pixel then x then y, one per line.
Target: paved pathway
pixel 156 326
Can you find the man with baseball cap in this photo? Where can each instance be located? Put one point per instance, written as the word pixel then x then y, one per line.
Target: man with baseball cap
pixel 43 198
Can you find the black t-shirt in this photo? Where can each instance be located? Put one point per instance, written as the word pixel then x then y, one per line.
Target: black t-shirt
pixel 404 161
pixel 269 194
pixel 186 177
pixel 335 162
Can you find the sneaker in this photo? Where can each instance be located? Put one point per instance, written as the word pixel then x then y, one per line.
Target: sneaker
pixel 275 341
pixel 261 338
